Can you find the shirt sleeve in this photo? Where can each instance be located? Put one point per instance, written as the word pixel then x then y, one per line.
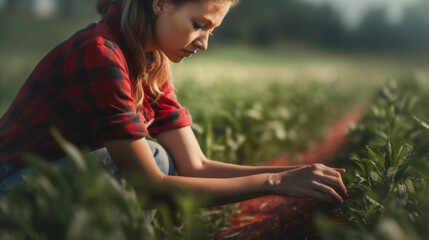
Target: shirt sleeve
pixel 169 114
pixel 96 82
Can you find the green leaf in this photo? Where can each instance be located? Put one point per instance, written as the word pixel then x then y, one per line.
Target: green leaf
pixel 197 128
pixel 410 185
pixel 375 177
pixel 357 161
pixel 421 122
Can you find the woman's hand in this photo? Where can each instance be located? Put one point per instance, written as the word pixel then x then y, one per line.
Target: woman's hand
pixel 314 181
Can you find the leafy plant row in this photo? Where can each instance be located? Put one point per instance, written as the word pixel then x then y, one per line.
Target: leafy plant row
pixel 388 170
pixel 252 123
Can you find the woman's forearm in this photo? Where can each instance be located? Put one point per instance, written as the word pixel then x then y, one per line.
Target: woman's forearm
pixel 215 169
pixel 190 160
pixel 225 190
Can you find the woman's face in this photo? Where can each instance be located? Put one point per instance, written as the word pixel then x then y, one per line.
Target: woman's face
pixel 180 30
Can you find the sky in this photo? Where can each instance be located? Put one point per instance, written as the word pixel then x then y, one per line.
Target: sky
pixel 353 11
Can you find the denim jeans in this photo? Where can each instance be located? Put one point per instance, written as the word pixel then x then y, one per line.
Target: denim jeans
pixel 10 175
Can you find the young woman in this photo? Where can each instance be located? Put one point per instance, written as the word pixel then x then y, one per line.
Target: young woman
pixel 109 86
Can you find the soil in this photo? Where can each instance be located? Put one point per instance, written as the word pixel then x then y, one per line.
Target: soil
pixel 275 217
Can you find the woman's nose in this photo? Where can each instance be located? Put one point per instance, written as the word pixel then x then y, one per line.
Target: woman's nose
pixel 202 42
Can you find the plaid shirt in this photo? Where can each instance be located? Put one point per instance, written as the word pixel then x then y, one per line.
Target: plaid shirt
pixel 83 88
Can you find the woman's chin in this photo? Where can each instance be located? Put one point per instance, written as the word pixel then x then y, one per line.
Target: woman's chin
pixel 175 59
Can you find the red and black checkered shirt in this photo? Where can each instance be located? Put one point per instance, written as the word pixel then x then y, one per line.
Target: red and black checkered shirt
pixel 83 88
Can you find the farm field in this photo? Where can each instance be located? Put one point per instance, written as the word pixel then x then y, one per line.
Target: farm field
pixel 251 105
pixel 288 95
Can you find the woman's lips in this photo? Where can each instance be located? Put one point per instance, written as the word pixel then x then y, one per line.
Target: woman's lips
pixel 189 53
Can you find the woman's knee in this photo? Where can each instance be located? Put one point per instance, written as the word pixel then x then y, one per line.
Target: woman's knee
pixel 103 158
pixel 162 157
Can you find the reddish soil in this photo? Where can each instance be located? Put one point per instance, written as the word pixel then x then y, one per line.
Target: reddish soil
pixel 274 217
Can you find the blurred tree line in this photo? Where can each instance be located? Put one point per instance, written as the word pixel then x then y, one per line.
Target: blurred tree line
pixel 285 21
pixel 280 21
pixel 63 8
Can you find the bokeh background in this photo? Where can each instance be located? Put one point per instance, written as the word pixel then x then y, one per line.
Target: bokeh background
pixel 371 25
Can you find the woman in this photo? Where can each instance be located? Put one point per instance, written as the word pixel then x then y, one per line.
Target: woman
pixel 108 86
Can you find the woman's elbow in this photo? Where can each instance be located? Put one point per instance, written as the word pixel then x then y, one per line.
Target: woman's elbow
pixel 196 169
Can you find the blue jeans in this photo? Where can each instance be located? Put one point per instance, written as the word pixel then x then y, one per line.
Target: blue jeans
pixel 10 175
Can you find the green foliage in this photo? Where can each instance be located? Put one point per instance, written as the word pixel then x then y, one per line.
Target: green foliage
pixel 388 169
pixel 77 199
pixel 248 126
pixel 74 200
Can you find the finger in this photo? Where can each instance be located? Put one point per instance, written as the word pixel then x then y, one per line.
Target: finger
pixel 335 182
pixel 321 196
pixel 327 191
pixel 337 177
pixel 336 172
pixel 332 177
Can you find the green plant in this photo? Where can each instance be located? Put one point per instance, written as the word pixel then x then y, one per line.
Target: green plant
pixel 389 170
pixel 79 200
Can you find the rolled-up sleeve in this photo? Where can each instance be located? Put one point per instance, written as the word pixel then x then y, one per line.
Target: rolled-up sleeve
pixel 169 114
pixel 127 125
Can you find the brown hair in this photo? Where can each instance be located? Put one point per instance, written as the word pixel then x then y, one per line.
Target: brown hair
pixel 136 25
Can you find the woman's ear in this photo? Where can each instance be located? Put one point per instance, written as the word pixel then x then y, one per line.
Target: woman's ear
pixel 158 6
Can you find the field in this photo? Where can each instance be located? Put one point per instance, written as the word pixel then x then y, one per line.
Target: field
pixel 295 93
pixel 249 105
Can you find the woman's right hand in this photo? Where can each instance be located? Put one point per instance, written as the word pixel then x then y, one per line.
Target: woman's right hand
pixel 313 181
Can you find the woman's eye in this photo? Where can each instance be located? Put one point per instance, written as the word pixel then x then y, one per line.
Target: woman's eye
pixel 196 26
